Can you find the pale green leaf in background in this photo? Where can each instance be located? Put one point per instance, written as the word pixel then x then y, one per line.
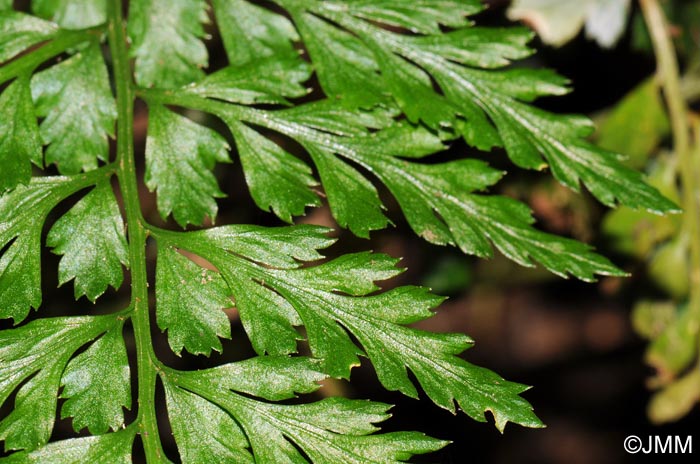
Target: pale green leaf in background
pixel 559 21
pixel 636 125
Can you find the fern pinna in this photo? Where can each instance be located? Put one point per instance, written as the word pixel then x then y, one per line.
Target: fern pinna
pixel 399 81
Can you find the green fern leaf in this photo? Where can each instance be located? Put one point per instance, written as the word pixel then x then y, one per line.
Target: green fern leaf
pixel 343 103
pixel 72 14
pixel 19 31
pixel 185 184
pixel 332 430
pixel 23 355
pixel 190 302
pixel 78 109
pixel 20 143
pixel 96 383
pixel 91 239
pixel 330 299
pixel 168 51
pixel 110 448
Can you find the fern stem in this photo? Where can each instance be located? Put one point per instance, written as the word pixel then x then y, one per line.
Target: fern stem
pixel 678 112
pixel 669 75
pixel 145 357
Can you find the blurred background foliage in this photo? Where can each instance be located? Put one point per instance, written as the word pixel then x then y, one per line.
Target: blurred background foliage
pixel 639 126
pixel 621 357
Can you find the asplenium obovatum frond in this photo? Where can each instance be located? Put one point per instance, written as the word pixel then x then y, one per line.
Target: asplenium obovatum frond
pixel 400 80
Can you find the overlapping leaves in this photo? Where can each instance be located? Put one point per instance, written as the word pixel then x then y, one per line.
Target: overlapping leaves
pixel 101 370
pixel 392 99
pixel 333 430
pixel 488 108
pixel 331 300
pixel 24 210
